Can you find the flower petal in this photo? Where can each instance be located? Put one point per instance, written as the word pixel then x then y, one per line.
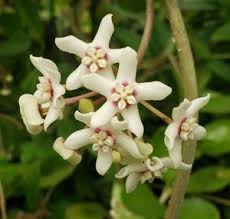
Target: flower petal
pixel 114 55
pixel 132 115
pixel 132 182
pixel 171 134
pixel 107 72
pixel 179 112
pixel 199 132
pixel 104 114
pixel 127 66
pixel 52 115
pixel 73 81
pixel 196 105
pixel 104 33
pixel 47 68
pixel 154 90
pixel 104 161
pixel 118 125
pixel 58 91
pixel 78 139
pixel 131 168
pixel 128 144
pixel 83 117
pixel 97 83
pixel 72 45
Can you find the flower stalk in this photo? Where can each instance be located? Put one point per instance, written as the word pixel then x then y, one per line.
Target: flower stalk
pixel 72 100
pixel 188 77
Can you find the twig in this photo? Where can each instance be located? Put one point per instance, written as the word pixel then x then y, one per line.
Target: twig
pixel 72 100
pixel 156 112
pixel 2 202
pixel 147 31
pixel 11 120
pixel 188 77
pixel 218 200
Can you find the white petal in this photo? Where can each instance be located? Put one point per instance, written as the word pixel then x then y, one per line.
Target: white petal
pixel 104 32
pixel 171 134
pixel 176 155
pixel 118 125
pixel 131 168
pixel 58 91
pixel 71 44
pixel 47 68
pixel 73 81
pixel 114 55
pixel 153 90
pixel 29 109
pixel 132 182
pixel 78 139
pixel 102 63
pixel 93 68
pixel 179 112
pixel 52 115
pixel 127 66
pixel 128 144
pixel 121 104
pixel 104 114
pixel 199 132
pixel 196 105
pixel 132 115
pixel 97 83
pixel 131 99
pixel 67 154
pixel 107 72
pixel 104 161
pixel 84 117
pixel 158 164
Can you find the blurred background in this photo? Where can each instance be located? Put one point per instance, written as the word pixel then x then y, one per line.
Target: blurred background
pixel 37 183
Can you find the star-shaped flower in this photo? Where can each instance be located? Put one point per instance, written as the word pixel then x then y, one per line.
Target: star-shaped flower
pixel 124 93
pixel 96 57
pixel 47 103
pixel 105 139
pixel 184 127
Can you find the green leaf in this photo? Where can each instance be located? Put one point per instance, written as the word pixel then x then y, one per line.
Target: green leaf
pixel 216 142
pixel 222 33
pixel 56 176
pixel 221 69
pixel 15 45
pixel 85 211
pixel 209 179
pixel 143 202
pixel 196 208
pixel 218 104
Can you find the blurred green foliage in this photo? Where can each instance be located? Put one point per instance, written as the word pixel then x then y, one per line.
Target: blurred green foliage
pixel 38 183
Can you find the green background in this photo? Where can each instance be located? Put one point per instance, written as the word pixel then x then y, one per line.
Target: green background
pixel 38 183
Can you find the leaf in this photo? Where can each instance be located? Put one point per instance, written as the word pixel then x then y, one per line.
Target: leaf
pixel 216 142
pixel 143 202
pixel 221 69
pixel 209 179
pixel 85 211
pixel 222 33
pixel 196 208
pixel 218 104
pixel 15 45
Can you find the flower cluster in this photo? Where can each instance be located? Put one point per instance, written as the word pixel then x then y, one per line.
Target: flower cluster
pixel 115 130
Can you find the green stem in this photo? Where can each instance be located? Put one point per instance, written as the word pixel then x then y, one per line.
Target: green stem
pixel 188 79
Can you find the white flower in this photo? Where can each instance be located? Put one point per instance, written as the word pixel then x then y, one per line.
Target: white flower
pixel 96 57
pixel 184 127
pixel 47 102
pixel 105 140
pixel 124 93
pixel 67 154
pixel 141 172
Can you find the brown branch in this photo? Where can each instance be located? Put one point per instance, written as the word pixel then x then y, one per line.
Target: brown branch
pixel 72 100
pixel 147 31
pixel 2 202
pixel 188 77
pixel 156 112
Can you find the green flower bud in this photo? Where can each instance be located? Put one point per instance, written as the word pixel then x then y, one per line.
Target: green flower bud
pixel 86 106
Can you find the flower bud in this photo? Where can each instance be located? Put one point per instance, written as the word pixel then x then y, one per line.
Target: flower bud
pixel 85 106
